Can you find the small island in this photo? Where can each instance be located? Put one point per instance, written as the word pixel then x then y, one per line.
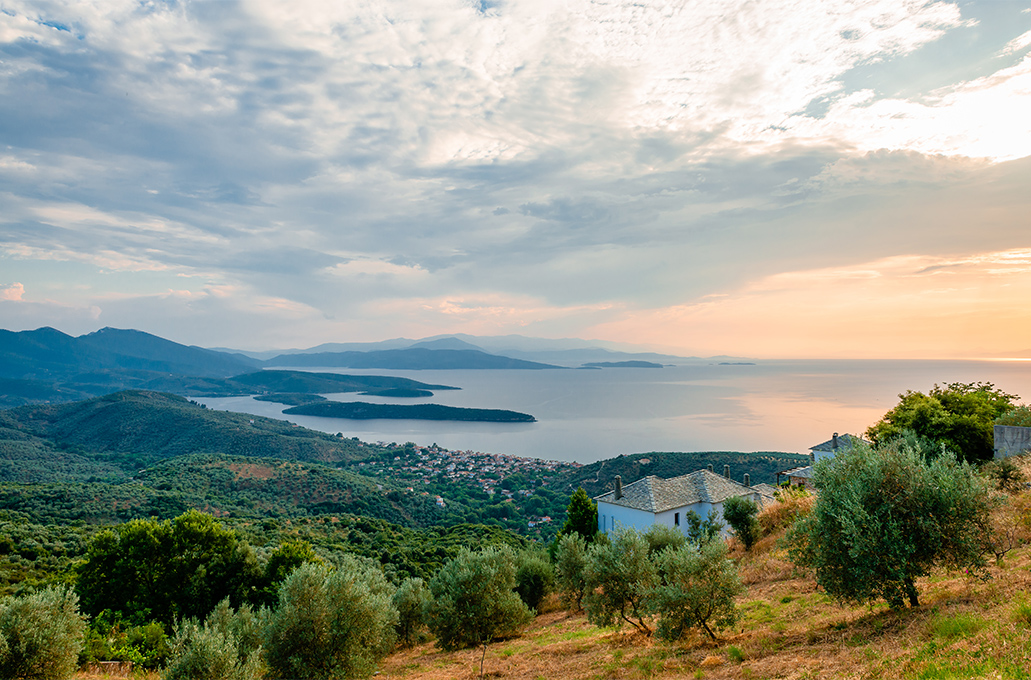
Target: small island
pixel 622 364
pixel 401 392
pixel 290 398
pixel 360 410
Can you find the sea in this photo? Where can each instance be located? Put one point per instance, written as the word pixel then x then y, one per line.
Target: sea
pixel 589 415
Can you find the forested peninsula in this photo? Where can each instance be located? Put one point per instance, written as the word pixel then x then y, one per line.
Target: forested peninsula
pixel 359 410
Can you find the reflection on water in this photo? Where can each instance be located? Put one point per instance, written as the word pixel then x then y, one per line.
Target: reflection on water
pixel 590 415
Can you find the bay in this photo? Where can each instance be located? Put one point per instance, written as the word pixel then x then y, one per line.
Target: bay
pixel 590 415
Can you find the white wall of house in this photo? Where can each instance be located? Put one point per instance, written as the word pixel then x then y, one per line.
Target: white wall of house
pixel 611 516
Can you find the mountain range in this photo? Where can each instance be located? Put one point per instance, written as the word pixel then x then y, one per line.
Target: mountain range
pixel 46 365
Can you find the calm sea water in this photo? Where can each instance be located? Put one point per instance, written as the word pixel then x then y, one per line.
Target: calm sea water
pixel 588 415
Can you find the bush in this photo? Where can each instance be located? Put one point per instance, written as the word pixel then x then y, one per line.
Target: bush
pixel 473 600
pixel 740 514
pixel 698 588
pixel 885 517
pixel 535 578
pixel 660 537
pixel 331 624
pixel 1004 474
pixel 225 646
pixel 619 577
pixel 411 600
pixel 570 569
pixel 109 639
pixel 40 635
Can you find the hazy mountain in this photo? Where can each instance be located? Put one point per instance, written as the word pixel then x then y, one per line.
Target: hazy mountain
pixel 415 358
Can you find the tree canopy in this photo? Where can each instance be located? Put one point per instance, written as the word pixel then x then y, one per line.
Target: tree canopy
pixel 958 416
pixel 885 517
pixel 581 515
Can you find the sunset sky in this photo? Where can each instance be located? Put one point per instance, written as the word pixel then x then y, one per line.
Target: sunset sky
pixel 767 178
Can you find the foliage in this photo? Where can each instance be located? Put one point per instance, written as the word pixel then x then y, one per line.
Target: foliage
pixel 618 577
pixel 166 570
pixel 281 564
pixel 570 569
pixel 224 646
pixel 702 530
pixel 792 503
pixel 697 589
pixel 581 515
pixel 411 601
pixel 884 517
pixel 740 514
pixel 109 639
pixel 473 600
pixel 40 635
pixel 1018 416
pixel 331 623
pixel 660 537
pixel 959 416
pixel 1004 474
pixel 535 577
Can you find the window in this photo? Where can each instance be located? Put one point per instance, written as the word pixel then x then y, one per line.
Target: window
pixel 676 519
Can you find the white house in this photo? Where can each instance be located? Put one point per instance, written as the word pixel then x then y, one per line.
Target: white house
pixel 653 500
pixel 803 476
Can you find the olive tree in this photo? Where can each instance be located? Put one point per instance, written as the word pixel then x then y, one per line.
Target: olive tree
pixel 619 577
pixel 570 570
pixel 411 600
pixel 884 517
pixel 40 635
pixel 226 646
pixel 474 601
pixel 331 623
pixel 740 514
pixel 697 588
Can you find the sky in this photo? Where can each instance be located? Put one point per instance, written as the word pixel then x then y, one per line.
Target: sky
pixel 764 178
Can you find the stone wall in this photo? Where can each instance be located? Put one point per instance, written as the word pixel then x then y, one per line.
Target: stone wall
pixel 1009 440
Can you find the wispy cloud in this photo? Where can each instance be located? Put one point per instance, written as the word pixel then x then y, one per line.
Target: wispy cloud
pixel 532 165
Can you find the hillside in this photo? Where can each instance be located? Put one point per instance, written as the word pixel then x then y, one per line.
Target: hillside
pixel 133 430
pixel 360 410
pixel 596 478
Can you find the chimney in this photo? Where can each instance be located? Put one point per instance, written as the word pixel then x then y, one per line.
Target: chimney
pixel 619 487
pixel 726 471
pixel 834 442
pixel 748 479
pixel 710 467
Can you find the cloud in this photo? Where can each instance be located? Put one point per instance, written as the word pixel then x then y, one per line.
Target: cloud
pixel 13 292
pixel 545 166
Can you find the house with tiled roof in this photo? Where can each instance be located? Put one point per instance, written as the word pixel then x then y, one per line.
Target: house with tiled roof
pixel 837 444
pixel 654 500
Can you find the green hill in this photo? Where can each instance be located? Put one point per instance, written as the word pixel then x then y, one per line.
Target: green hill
pixel 596 478
pixel 134 429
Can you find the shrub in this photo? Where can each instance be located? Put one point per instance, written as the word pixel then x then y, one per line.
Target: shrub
pixel 619 577
pixel 474 601
pixel 570 568
pixel 885 517
pixel 1004 474
pixel 225 646
pixel 411 600
pixel 331 623
pixel 698 588
pixel 660 537
pixel 40 635
pixel 535 578
pixel 740 514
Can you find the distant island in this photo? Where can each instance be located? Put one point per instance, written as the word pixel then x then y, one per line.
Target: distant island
pixel 290 398
pixel 622 364
pixel 737 363
pixel 359 410
pixel 402 392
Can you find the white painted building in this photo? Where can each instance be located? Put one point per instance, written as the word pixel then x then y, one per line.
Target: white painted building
pixel 837 444
pixel 653 500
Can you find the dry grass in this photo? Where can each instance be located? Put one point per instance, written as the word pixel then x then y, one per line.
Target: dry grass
pixel 964 628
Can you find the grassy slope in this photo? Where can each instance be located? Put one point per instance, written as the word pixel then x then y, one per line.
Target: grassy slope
pixel 964 628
